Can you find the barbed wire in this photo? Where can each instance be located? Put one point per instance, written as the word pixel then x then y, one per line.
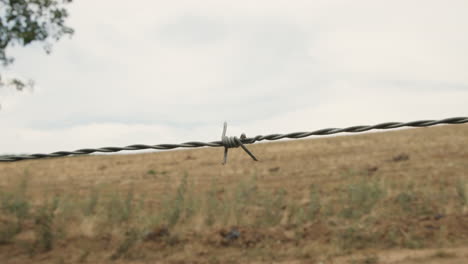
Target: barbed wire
pixel 233 142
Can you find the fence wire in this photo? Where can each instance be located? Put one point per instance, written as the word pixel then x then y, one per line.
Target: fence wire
pixel 226 142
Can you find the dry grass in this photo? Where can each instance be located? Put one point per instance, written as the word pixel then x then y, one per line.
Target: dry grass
pixel 306 200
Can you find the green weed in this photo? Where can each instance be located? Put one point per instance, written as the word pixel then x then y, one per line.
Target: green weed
pixel 314 203
pixel 182 206
pixel 214 207
pixel 132 237
pixel 119 209
pixel 44 224
pixel 462 191
pixel 353 238
pixel 360 198
pixel 245 194
pixel 8 231
pixel 14 204
pixel 91 203
pixel 273 208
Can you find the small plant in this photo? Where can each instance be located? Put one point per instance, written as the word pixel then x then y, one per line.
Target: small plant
pixel 360 198
pixel 16 202
pixel 405 200
pixel 8 231
pixel 213 207
pixel 177 204
pixel 462 191
pixel 181 206
pixel 272 205
pixel 314 203
pixel 353 238
pixel 132 237
pixel 413 243
pixel 415 203
pixel 44 221
pixel 302 214
pixel 91 203
pixel 16 205
pixel 244 195
pixel 120 209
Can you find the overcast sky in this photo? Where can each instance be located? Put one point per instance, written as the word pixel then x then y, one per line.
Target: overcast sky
pixel 156 72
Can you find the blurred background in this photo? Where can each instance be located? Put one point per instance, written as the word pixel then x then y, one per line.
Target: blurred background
pixel 155 72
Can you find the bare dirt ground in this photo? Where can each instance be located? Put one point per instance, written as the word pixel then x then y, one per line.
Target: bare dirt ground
pixel 386 197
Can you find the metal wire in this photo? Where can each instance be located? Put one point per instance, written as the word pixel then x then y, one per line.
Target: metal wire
pixel 243 140
pixel 233 142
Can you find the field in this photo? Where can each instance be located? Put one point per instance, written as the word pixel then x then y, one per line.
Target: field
pixel 386 197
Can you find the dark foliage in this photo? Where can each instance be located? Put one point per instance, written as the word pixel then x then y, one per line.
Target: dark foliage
pixel 23 22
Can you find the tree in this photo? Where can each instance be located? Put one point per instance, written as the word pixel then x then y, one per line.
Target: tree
pixel 23 22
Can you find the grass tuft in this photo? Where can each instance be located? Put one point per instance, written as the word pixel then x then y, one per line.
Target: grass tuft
pixel 119 209
pixel 91 203
pixel 360 198
pixel 15 207
pixel 44 224
pixel 132 237
pixel 462 191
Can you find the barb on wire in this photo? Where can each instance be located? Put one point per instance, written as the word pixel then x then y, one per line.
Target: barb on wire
pixel 243 140
pixel 233 142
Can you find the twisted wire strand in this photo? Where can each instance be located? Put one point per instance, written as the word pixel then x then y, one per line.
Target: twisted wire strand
pixel 197 144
